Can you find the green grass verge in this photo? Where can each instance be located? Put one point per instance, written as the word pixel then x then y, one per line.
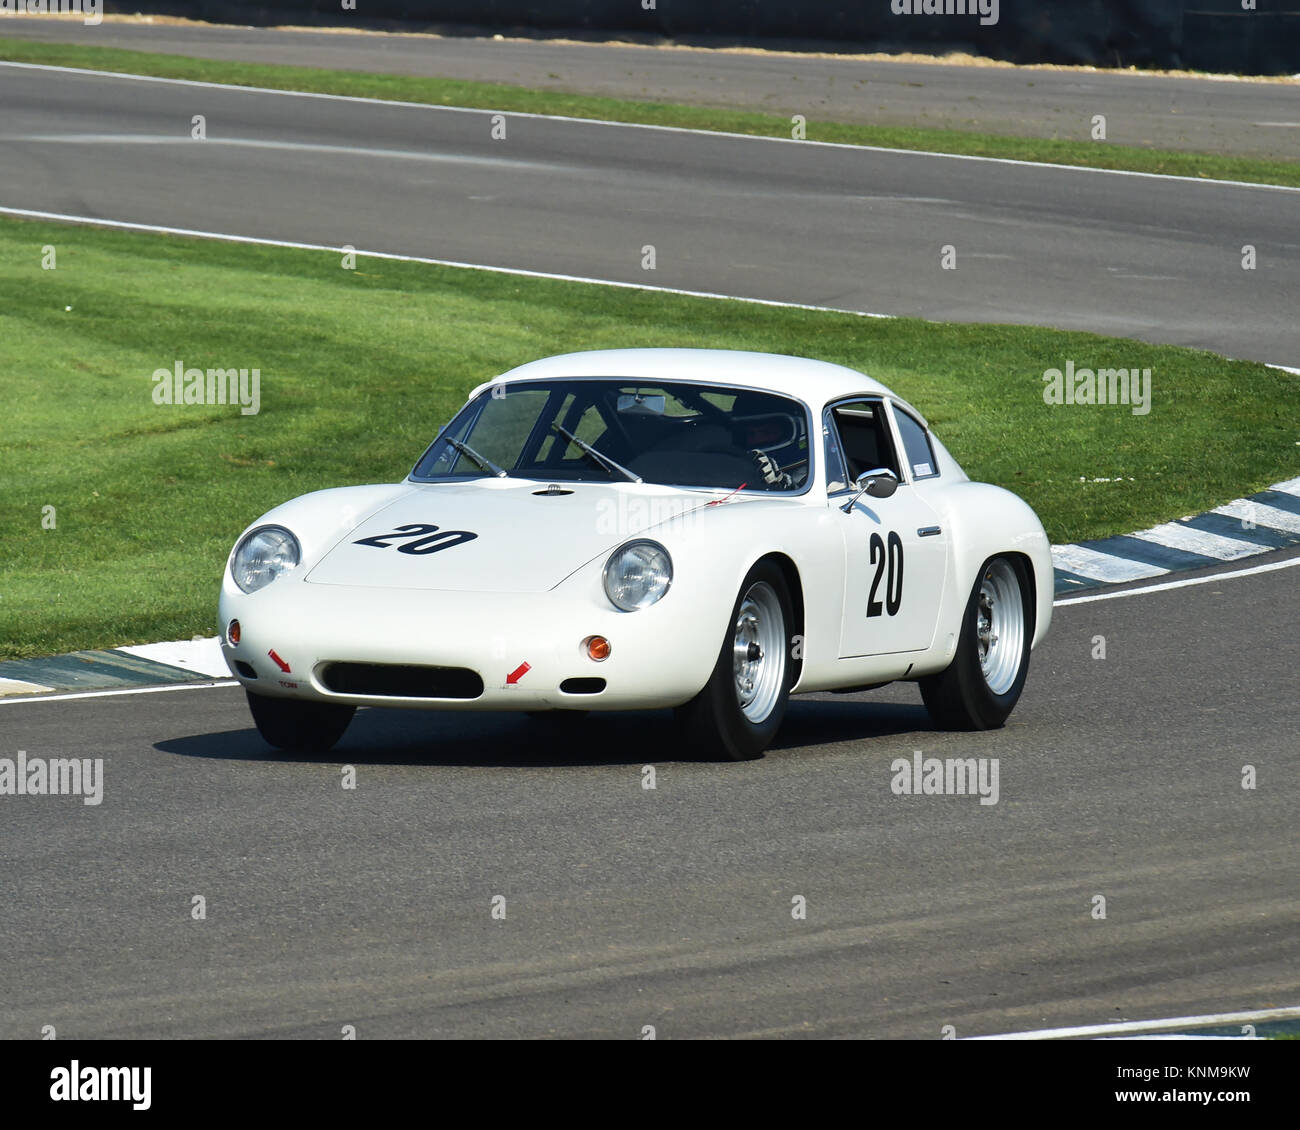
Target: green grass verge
pixel 360 367
pixel 483 95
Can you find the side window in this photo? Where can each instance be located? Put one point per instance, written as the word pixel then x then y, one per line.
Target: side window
pixel 864 438
pixel 916 445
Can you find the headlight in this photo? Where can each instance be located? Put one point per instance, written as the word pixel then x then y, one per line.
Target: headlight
pixel 637 574
pixel 262 556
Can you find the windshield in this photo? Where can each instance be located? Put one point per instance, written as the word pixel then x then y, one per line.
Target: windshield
pixel 621 430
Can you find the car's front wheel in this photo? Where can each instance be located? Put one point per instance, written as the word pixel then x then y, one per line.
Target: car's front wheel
pixel 983 683
pixel 297 726
pixel 741 707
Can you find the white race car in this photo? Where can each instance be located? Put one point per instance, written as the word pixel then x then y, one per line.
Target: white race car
pixel 636 529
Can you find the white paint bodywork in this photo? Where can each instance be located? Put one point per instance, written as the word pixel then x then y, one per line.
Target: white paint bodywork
pixel 529 588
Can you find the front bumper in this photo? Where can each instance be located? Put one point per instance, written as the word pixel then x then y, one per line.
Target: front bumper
pixel 661 656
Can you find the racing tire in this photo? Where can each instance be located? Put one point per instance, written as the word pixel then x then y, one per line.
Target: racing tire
pixel 982 684
pixel 297 726
pixel 741 707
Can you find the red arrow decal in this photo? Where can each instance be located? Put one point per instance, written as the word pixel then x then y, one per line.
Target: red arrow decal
pixel 518 673
pixel 278 661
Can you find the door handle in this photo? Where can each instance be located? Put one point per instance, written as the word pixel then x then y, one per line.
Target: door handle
pixel 928 531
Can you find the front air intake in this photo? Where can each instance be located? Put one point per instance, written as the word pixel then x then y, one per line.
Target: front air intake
pixel 391 680
pixel 582 686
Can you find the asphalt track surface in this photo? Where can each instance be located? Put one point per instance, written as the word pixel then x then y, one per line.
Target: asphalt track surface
pixel 1152 258
pixel 1119 777
pixel 1253 119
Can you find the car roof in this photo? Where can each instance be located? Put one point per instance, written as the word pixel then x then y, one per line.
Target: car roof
pixel 813 381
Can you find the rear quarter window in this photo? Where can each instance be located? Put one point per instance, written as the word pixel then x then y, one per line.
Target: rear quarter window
pixel 916 446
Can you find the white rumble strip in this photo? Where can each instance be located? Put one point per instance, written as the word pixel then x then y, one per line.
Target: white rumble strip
pixel 1174 536
pixel 1104 567
pixel 1112 565
pixel 202 656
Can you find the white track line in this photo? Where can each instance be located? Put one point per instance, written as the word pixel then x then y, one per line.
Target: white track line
pixel 147 139
pixel 1213 1020
pixel 111 694
pixel 338 250
pixel 643 125
pixel 1225 576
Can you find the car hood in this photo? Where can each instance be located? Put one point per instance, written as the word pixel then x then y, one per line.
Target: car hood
pixel 524 539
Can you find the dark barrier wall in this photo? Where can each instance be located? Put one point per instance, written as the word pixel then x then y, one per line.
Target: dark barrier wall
pixel 1211 35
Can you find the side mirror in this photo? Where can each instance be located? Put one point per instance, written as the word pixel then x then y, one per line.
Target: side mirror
pixel 880 483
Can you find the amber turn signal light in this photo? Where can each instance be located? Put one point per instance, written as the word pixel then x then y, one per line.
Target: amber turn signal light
pixel 598 648
pixel 232 633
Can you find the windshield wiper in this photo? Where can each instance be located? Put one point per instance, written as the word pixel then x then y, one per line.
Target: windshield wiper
pixel 484 463
pixel 604 460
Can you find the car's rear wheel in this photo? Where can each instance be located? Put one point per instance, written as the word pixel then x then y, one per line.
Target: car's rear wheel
pixel 297 726
pixel 743 704
pixel 982 685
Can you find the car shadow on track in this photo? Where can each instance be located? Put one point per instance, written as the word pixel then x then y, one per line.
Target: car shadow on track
pixel 416 737
pixel 402 737
pixel 817 721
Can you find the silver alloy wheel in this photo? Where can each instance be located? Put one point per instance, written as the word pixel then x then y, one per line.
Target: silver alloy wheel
pixel 1000 626
pixel 759 652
